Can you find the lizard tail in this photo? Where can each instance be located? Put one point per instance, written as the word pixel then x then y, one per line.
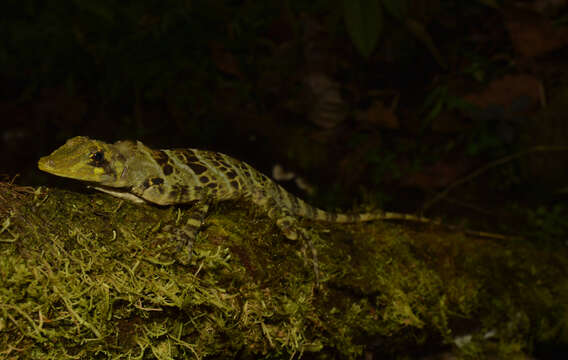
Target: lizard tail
pixel 301 208
pixel 313 213
pixel 379 215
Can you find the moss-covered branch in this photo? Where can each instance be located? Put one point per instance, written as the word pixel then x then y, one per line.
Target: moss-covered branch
pixel 87 274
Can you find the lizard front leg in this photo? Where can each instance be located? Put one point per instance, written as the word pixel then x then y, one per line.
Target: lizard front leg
pixel 185 235
pixel 155 190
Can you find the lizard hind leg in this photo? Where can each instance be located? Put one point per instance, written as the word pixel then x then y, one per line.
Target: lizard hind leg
pixel 288 225
pixel 286 222
pixel 290 228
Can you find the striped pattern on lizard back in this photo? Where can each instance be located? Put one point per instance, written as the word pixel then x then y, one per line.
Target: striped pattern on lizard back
pixel 197 173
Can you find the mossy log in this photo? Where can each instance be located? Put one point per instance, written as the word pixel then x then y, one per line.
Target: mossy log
pixel 86 275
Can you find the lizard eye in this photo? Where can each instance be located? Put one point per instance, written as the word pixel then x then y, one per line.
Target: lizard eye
pixel 97 156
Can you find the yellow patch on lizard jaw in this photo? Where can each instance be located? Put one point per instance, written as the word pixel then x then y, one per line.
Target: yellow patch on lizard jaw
pixel 99 171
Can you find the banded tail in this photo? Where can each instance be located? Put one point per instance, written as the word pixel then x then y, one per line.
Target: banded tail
pixel 303 209
pixel 306 210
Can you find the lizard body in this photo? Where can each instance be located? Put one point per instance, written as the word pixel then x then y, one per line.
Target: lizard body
pixel 135 172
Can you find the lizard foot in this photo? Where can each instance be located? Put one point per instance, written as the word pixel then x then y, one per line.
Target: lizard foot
pixel 288 226
pixel 184 237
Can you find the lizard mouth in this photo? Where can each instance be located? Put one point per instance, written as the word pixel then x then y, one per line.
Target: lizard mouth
pixel 45 164
pixel 50 166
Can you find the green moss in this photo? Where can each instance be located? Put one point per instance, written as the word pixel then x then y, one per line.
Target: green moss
pixel 91 276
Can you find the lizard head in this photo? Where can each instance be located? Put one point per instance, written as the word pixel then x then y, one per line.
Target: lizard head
pixel 89 160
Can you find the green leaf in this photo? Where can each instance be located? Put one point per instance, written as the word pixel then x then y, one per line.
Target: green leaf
pixel 418 30
pixel 396 8
pixel 364 20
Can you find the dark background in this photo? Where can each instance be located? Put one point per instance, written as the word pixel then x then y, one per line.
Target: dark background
pixel 372 103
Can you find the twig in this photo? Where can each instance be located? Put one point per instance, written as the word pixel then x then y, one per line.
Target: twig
pixel 476 173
